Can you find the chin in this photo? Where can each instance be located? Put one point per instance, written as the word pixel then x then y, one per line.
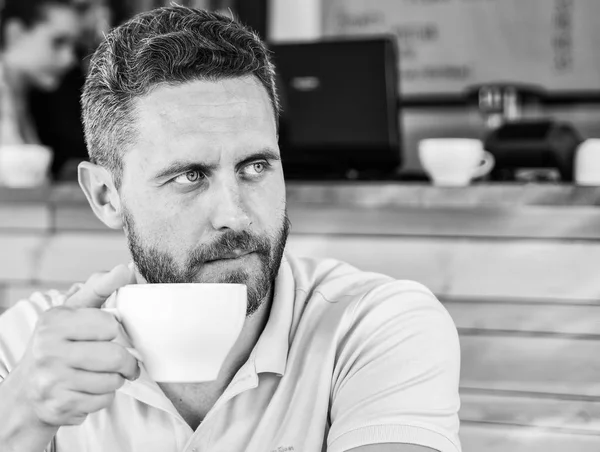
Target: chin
pixel 47 83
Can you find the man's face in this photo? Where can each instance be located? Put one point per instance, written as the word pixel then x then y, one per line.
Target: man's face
pixel 203 194
pixel 45 51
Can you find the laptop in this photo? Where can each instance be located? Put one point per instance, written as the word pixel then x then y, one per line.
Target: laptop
pixel 340 114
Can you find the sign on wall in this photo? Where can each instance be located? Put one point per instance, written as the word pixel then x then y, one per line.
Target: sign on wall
pixel 447 45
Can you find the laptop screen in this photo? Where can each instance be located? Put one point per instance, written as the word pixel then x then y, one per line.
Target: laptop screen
pixel 340 105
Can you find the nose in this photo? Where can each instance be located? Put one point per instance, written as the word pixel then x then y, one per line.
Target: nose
pixel 227 210
pixel 67 57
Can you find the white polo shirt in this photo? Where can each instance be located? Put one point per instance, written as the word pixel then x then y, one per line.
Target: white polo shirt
pixel 347 358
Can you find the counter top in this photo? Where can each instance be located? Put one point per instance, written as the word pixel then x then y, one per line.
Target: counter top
pixel 556 212
pixel 373 194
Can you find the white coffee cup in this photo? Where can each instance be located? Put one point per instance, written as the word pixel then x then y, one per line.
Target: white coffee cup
pixel 181 332
pixel 454 161
pixel 24 165
pixel 587 162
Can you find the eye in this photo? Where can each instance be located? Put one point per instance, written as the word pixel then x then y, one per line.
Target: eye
pixel 189 177
pixel 256 168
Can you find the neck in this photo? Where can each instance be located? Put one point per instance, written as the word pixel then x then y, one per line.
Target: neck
pixel 14 77
pixel 194 400
pixel 251 331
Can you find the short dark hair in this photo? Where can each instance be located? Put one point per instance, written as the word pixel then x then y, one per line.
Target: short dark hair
pixel 169 45
pixel 29 12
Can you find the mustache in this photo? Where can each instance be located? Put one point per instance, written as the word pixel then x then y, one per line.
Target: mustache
pixel 228 243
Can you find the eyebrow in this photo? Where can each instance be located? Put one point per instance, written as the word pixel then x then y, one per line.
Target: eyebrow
pixel 264 154
pixel 184 166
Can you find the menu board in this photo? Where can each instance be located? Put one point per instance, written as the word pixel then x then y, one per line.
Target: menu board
pixel 448 45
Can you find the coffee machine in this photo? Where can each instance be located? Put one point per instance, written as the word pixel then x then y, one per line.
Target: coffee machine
pixel 526 145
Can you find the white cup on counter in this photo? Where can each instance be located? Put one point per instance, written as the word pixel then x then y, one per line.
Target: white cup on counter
pixel 24 165
pixel 454 162
pixel 587 162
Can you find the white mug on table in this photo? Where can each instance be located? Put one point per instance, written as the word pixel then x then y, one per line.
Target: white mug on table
pixel 24 165
pixel 454 161
pixel 587 162
pixel 180 332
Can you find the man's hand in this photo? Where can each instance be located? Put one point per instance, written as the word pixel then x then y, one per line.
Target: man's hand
pixel 71 368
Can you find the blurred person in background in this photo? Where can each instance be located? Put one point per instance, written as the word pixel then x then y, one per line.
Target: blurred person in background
pixel 57 113
pixel 37 44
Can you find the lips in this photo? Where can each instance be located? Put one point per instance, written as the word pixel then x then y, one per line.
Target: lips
pixel 230 256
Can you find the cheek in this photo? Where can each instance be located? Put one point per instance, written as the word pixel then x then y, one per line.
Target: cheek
pixel 38 52
pixel 168 226
pixel 268 204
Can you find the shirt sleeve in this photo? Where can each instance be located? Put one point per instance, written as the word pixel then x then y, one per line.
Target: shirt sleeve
pixel 18 323
pixel 397 373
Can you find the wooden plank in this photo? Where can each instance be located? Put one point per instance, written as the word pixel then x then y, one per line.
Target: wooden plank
pixel 576 223
pixel 552 365
pixel 421 260
pixel 582 223
pixel 470 268
pixel 26 195
pixel 382 194
pixel 78 218
pixel 498 438
pixel 19 255
pixel 389 194
pixel 575 416
pixel 24 216
pixel 440 221
pixel 378 208
pixel 526 269
pixel 526 317
pixel 73 257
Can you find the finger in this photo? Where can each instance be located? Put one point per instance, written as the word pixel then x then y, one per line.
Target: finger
pixel 108 357
pixel 83 404
pixel 100 286
pixel 94 382
pixel 84 324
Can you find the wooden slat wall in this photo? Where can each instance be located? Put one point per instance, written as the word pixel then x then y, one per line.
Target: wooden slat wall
pixel 528 314
pixel 519 275
pixel 474 268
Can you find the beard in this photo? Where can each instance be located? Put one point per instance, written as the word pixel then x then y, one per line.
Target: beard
pixel 158 266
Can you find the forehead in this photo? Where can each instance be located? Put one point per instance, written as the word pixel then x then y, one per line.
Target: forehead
pixel 203 115
pixel 212 105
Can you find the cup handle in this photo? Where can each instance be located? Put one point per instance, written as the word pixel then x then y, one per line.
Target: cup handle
pixel 117 315
pixel 487 164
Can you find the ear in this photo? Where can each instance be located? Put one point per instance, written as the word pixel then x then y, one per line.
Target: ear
pixel 100 191
pixel 13 32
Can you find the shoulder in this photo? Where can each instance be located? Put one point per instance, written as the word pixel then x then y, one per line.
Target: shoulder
pixel 390 352
pixel 331 279
pixel 333 282
pixel 18 322
pixel 358 305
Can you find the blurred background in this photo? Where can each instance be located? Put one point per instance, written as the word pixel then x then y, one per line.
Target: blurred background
pixel 453 142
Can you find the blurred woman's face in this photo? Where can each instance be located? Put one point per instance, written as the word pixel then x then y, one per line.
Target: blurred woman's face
pixel 45 51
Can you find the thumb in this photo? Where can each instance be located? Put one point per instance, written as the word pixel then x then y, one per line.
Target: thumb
pixel 100 286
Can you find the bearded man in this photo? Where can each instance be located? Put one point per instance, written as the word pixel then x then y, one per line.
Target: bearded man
pixel 180 112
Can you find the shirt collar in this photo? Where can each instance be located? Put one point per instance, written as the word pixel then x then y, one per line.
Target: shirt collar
pixel 271 350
